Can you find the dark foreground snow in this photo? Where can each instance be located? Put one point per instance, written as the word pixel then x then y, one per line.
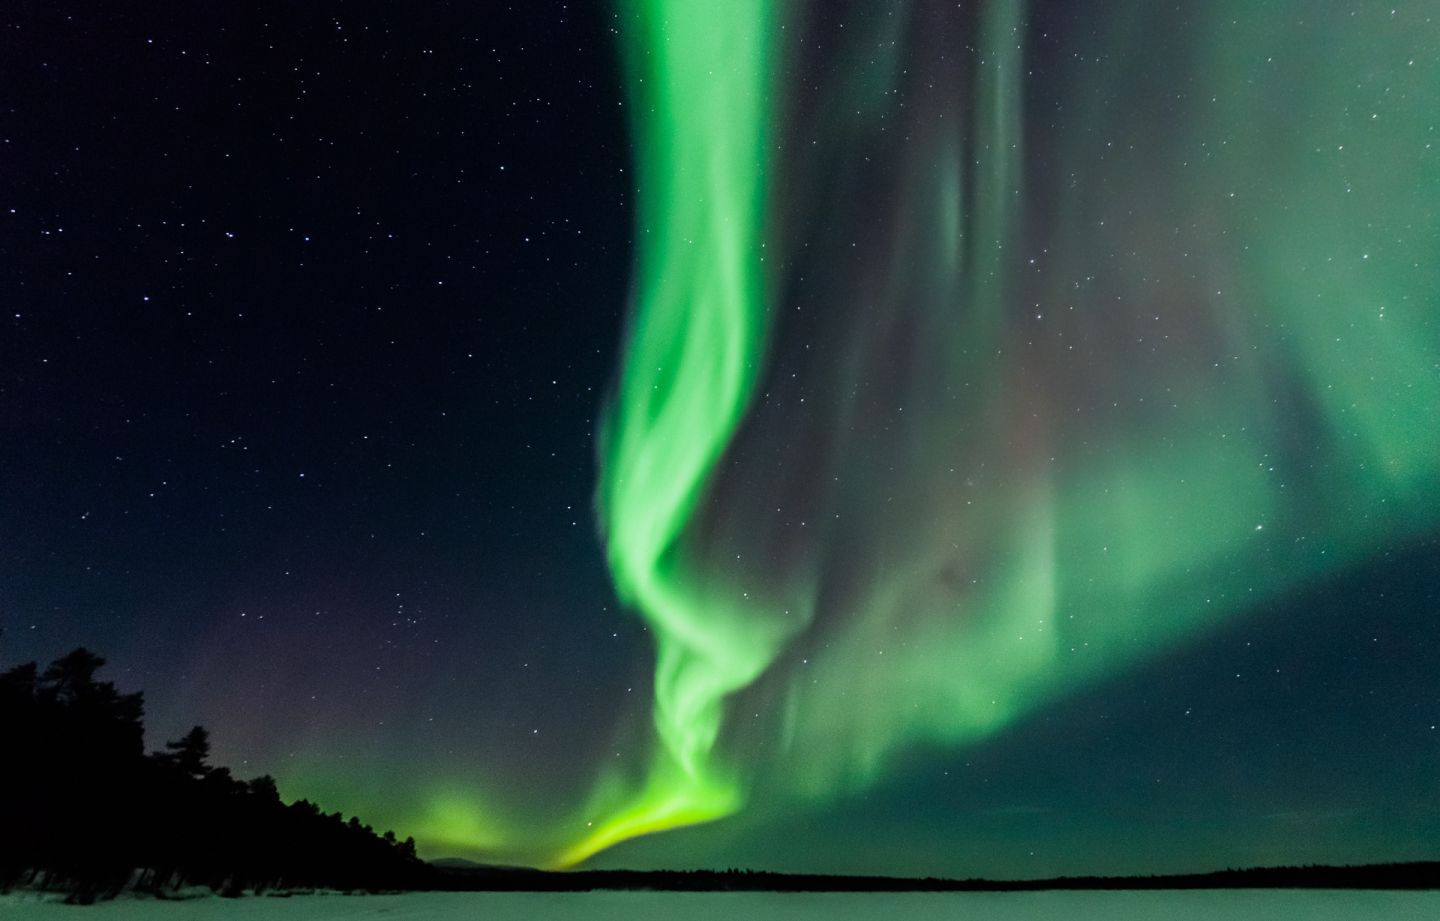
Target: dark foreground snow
pixel 1210 905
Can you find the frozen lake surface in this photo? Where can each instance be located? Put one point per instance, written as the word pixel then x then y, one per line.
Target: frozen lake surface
pixel 1187 905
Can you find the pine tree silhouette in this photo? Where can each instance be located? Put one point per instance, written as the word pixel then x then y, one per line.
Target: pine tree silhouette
pixel 190 752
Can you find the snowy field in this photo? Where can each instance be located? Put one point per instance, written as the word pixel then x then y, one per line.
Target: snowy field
pixel 1290 905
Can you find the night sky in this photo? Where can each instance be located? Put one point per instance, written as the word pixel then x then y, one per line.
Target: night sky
pixel 995 438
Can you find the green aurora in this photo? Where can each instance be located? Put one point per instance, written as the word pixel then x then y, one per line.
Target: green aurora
pixel 965 369
pixel 1016 521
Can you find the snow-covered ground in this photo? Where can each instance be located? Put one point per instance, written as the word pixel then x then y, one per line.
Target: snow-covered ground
pixel 1304 905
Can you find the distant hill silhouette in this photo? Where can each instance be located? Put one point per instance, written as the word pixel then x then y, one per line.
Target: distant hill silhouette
pixel 84 809
pixel 456 863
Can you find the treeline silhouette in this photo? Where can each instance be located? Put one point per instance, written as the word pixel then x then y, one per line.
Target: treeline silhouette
pixel 84 809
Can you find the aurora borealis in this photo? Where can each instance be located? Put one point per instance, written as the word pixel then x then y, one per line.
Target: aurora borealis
pixel 911 437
